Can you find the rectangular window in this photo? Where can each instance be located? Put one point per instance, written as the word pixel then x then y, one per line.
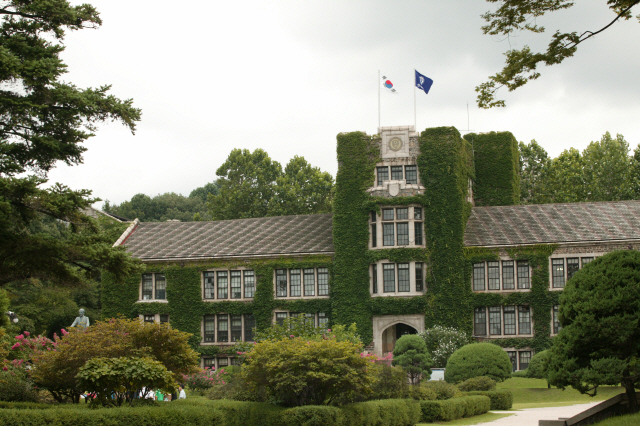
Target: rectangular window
pixel 586 260
pixel 323 320
pixel 309 282
pixel 164 319
pixel 495 320
pixel 280 317
pixel 417 213
pixel 403 234
pixel 480 322
pixel 387 214
pixel 396 173
pixel 294 282
pixel 419 277
pixel 147 286
pixel 383 174
pixel 525 359
pixel 249 325
pixel 236 284
pixel 209 363
pixel 323 281
pixel 508 277
pixel 236 328
pixel 388 238
pixel 523 274
pixel 557 273
pixel 373 215
pixel 209 285
pixel 150 318
pixel 223 328
pixel 411 174
pixel 209 328
pixel 223 362
pixel 556 320
pixel 402 213
pixel 281 282
pixel 573 264
pixel 222 284
pixel 478 276
pixel 389 277
pixel 509 320
pixel 374 235
pixel 249 284
pixel 524 320
pixel 310 319
pixel 161 287
pixel 417 231
pixel 375 278
pixel 513 356
pixel 493 275
pixel 403 277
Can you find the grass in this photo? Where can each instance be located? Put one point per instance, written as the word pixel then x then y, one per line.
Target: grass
pixel 533 393
pixel 482 418
pixel 628 420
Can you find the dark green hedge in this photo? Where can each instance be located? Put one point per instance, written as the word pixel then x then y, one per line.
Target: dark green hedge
pixel 500 399
pixel 454 408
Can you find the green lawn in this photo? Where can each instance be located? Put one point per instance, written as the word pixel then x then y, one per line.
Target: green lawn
pixel 628 420
pixel 482 418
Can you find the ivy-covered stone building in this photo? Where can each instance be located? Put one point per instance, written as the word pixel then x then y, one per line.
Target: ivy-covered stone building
pixel 426 229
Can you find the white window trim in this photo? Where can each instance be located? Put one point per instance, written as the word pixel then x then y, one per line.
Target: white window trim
pixel 229 342
pixel 515 277
pixel 215 288
pixel 566 256
pixel 412 280
pixel 316 316
pixel 302 296
pixel 411 221
pixel 156 319
pixel 517 351
pixel 153 289
pixel 403 182
pixel 502 335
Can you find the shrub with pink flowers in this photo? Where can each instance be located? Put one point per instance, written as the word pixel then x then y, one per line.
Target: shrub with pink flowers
pixel 203 379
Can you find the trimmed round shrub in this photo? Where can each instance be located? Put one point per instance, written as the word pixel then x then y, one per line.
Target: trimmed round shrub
pixel 478 359
pixel 482 383
pixel 442 389
pixel 538 366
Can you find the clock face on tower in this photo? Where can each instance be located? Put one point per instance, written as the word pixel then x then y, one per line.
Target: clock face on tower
pixel 395 144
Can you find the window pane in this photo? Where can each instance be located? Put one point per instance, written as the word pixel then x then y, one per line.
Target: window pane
pixel 249 283
pixel 586 260
pixel 323 320
pixel 281 283
pixel 478 276
pixel 373 215
pixel 161 287
pixel 374 235
pixel 495 320
pixel 403 277
pixel 509 320
pixel 222 284
pixel 411 174
pixel 387 214
pixel 525 359
pixel 375 278
pixel 573 265
pixel 236 328
pixel 523 274
pixel 524 319
pixel 383 174
pixel 556 321
pixel 310 319
pixel 557 273
pixel 236 284
pixel 209 328
pixel 223 362
pixel 294 280
pixel 150 318
pixel 493 272
pixel 323 281
pixel 209 363
pixel 402 213
pixel 223 328
pixel 309 282
pixel 417 230
pixel 508 277
pixel 403 234
pixel 480 322
pixel 164 318
pixel 417 213
pixel 389 277
pixel 280 317
pixel 396 173
pixel 387 234
pixel 147 286
pixel 249 325
pixel 209 279
pixel 419 277
pixel 513 356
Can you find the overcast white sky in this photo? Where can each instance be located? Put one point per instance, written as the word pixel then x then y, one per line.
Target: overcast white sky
pixel 287 76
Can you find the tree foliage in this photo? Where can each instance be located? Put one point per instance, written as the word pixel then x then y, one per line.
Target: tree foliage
pixel 513 16
pixel 44 121
pixel 442 342
pixel 163 207
pixel 599 343
pixel 411 354
pixel 478 359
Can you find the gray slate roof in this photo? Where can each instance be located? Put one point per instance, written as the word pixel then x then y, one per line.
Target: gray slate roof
pixel 267 236
pixel 553 223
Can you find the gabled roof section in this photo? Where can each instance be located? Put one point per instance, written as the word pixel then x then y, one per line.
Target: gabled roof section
pixel 266 236
pixel 553 223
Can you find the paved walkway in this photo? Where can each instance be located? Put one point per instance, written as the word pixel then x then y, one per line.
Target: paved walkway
pixel 530 416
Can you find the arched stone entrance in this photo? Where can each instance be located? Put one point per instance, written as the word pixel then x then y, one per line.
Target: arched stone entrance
pixel 389 328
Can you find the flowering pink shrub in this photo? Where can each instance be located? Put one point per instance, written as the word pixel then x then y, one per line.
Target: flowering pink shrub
pixel 204 379
pixel 26 349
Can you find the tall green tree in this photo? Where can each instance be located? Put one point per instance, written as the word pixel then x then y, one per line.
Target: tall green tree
pixel 564 181
pixel 44 121
pixel 534 165
pixel 513 16
pixel 608 169
pixel 162 207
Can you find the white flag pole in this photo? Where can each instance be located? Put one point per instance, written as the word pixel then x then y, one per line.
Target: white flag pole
pixel 378 98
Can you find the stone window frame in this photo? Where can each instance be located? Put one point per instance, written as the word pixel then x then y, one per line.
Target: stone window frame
pixel 216 339
pixel 518 280
pixel 584 258
pixel 377 224
pixel 502 335
pixel 245 273
pixel 518 356
pixel 317 285
pixel 378 282
pixel 317 316
pixel 153 288
pixel 555 315
pixel 157 318
pixel 218 362
pixel 403 162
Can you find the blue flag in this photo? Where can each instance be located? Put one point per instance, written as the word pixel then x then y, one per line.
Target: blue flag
pixel 423 82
